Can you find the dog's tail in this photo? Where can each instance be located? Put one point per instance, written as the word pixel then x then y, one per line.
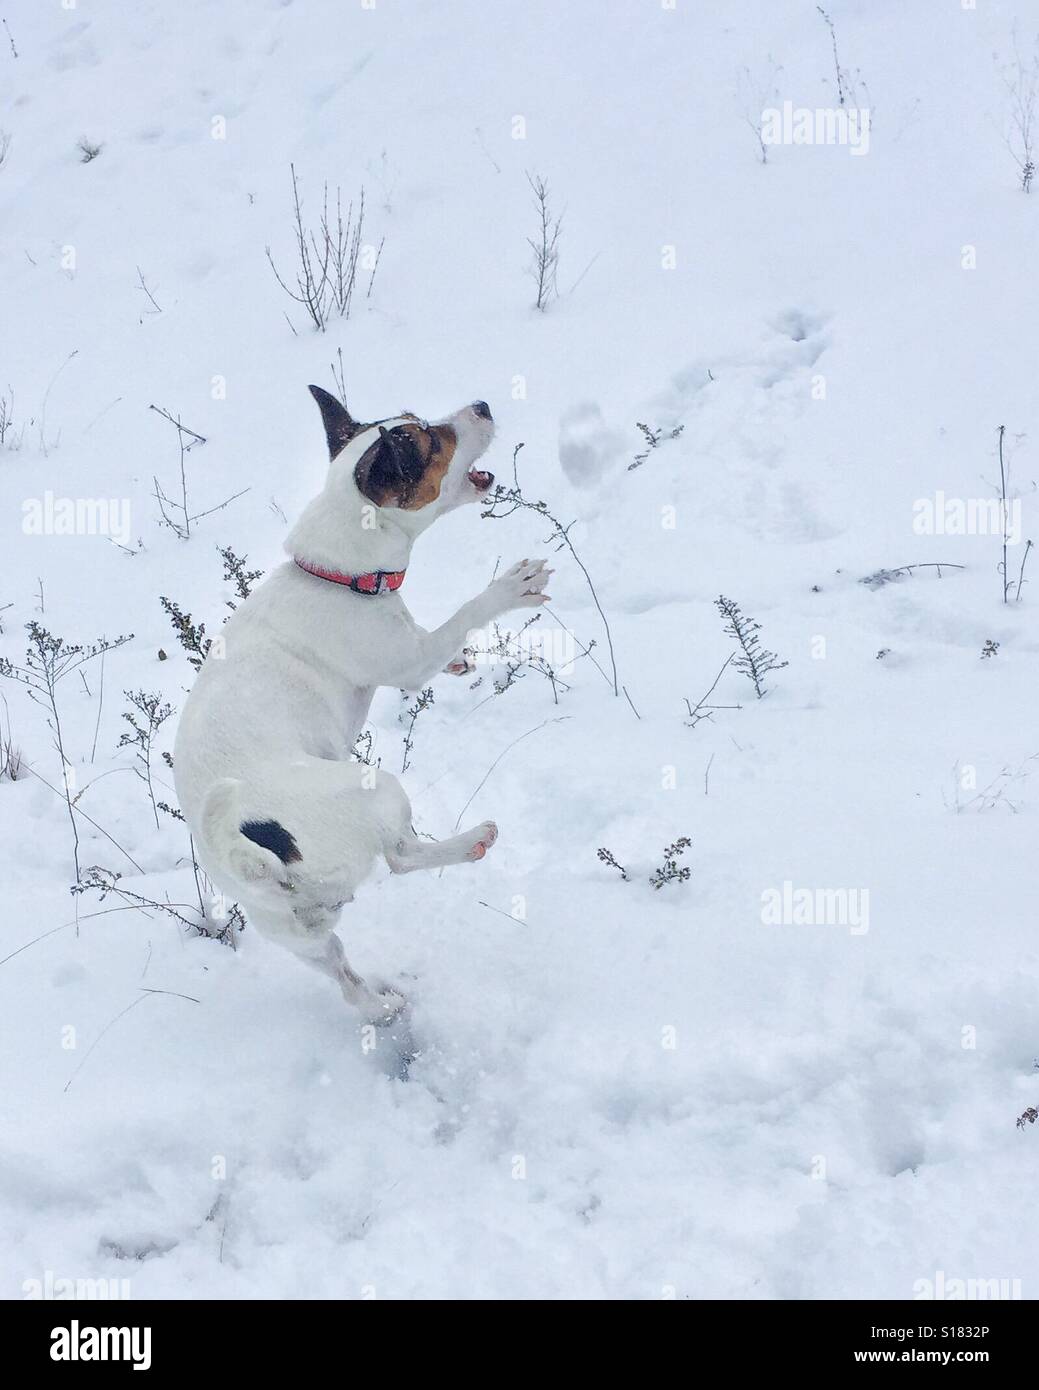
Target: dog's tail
pixel 253 850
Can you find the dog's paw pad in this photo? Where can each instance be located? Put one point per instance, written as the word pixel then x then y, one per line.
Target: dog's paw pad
pixel 485 836
pixel 463 665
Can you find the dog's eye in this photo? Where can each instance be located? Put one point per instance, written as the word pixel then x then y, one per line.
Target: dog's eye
pixel 434 443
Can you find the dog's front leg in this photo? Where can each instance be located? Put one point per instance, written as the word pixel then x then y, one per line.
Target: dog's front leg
pixel 522 586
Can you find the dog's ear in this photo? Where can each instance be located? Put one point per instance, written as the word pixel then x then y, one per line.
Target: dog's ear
pixel 389 470
pixel 340 426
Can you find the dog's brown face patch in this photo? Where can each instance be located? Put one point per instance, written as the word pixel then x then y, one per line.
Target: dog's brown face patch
pixel 437 448
pixel 406 466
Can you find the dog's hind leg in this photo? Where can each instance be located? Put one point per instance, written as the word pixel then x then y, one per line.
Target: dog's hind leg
pixel 307 934
pixel 409 852
pixel 380 1006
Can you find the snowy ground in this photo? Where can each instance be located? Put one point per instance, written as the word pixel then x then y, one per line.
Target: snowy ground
pixel 618 1092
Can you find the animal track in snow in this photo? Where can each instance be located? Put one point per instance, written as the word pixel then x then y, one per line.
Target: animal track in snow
pixel 587 445
pixel 739 413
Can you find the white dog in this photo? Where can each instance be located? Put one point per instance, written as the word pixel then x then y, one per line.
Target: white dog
pixel 284 819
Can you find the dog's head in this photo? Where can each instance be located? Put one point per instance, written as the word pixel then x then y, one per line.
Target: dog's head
pixel 416 468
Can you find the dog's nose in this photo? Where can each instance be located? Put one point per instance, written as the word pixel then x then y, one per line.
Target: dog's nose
pixel 482 409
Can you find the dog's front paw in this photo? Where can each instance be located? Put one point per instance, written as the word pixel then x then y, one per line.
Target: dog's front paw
pixel 387 1006
pixel 522 586
pixel 482 836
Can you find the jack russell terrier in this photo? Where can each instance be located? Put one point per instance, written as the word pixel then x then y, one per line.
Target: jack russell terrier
pixel 284 818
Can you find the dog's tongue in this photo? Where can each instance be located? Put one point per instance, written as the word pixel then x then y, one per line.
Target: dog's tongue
pixel 480 480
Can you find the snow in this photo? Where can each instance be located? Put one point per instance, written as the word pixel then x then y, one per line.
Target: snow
pixel 617 1093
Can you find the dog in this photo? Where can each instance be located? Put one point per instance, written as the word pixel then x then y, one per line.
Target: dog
pixel 284 817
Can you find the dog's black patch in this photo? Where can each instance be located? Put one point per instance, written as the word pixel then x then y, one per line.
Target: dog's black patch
pixel 391 469
pixel 269 834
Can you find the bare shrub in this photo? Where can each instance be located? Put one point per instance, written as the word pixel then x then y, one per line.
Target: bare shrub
pixel 847 81
pixel 11 767
pixel 607 857
pixel 879 578
pixel 235 573
pixel 191 635
pixel 10 437
pixel 545 245
pixel 507 500
pixel 515 655
pixel 175 513
pixel 755 91
pixel 142 284
pixel 328 256
pixel 423 701
pixel 703 709
pixel 219 923
pixel 995 795
pixel 754 661
pixel 669 871
pixel 48 660
pixel 1020 78
pixel 146 716
pixel 653 440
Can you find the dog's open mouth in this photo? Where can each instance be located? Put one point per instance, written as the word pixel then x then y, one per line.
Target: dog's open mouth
pixel 480 481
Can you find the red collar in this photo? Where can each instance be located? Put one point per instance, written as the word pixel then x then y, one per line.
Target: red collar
pixel 380 582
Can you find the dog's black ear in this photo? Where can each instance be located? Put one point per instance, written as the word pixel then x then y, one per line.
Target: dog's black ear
pixel 340 426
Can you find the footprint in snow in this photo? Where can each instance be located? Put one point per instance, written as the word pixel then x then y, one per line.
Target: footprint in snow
pixel 587 445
